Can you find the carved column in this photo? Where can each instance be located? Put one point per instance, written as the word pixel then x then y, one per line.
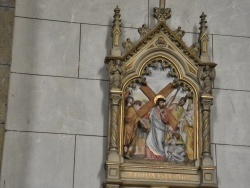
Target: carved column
pixel 115 100
pixel 116 71
pixel 207 75
pixel 206 102
pixel 113 163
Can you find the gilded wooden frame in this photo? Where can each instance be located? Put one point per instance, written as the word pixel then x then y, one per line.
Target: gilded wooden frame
pixel 193 70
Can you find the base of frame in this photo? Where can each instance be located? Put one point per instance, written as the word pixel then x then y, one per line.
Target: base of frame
pixel 158 175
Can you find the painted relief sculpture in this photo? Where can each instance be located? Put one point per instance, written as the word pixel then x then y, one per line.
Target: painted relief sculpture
pixel 158 126
pixel 161 93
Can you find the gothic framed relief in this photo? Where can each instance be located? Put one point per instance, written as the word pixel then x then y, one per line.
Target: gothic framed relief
pixel 161 93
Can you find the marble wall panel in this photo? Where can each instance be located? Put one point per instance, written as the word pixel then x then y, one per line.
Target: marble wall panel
pixel 225 17
pixel 34 160
pixel 96 44
pixel 230 117
pixel 89 161
pixel 45 47
pixel 88 11
pixel 59 105
pixel 233 166
pixel 232 55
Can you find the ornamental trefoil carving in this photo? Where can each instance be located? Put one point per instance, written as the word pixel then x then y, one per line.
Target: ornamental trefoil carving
pixel 160 100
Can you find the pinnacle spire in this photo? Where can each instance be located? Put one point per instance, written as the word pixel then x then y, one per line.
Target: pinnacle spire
pixel 203 39
pixel 203 22
pixel 116 33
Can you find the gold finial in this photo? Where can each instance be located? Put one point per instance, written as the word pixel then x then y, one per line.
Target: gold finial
pixel 203 22
pixel 162 13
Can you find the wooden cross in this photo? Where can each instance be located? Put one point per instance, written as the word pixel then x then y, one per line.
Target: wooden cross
pixel 151 95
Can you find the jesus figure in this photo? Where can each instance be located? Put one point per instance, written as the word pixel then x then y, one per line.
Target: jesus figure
pixel 156 136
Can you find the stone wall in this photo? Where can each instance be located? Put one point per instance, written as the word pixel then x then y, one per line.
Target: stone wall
pixel 58 98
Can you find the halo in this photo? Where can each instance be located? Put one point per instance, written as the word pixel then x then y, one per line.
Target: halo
pixel 158 97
